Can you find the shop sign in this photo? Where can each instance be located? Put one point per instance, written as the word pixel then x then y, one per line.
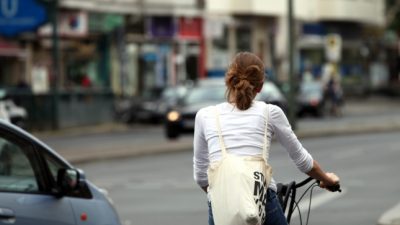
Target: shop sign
pixel 105 22
pixel 161 27
pixel 17 16
pixel 333 47
pixel 70 24
pixel 190 28
pixel 40 80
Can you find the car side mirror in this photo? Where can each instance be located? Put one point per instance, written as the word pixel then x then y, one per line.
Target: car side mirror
pixel 68 180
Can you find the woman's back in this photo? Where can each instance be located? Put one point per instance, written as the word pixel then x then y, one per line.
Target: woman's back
pixel 242 130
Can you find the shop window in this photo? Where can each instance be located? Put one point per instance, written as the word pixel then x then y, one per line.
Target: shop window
pixel 221 43
pixel 243 38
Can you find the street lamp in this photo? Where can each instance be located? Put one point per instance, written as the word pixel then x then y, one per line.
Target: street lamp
pixel 292 80
pixel 52 9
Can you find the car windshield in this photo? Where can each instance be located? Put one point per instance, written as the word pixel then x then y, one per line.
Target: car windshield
pixel 201 94
pixel 174 92
pixel 270 91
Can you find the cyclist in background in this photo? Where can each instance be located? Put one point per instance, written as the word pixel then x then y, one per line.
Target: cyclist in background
pixel 243 124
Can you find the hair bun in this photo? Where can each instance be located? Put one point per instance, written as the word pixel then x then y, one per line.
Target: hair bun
pixel 243 75
pixel 253 69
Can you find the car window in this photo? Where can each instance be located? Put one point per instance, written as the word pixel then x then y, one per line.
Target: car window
pixel 270 91
pixel 53 164
pixel 174 92
pixel 16 171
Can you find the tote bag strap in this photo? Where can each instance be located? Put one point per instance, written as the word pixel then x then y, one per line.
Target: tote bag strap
pixel 221 140
pixel 266 144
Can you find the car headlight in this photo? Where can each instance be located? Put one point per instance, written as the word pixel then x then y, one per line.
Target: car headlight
pixel 173 116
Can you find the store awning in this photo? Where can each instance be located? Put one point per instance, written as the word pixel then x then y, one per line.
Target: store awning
pixel 144 7
pixel 12 50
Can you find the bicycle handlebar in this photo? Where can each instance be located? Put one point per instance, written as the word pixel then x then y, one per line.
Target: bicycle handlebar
pixel 304 182
pixel 286 191
pixel 334 188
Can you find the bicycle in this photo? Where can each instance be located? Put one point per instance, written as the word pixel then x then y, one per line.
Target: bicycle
pixel 286 194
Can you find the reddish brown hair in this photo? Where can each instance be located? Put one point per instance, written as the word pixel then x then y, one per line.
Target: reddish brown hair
pixel 244 77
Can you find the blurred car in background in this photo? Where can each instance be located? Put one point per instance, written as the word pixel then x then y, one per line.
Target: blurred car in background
pixel 310 100
pixel 134 109
pixel 271 94
pixel 180 118
pixel 150 108
pixel 211 91
pixel 170 97
pixel 38 186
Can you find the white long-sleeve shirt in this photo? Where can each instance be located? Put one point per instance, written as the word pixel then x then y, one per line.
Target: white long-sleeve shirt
pixel 243 134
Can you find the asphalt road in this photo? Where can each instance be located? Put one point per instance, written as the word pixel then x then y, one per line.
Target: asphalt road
pixel 159 188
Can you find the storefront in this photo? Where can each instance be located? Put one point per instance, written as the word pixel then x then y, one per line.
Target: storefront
pixel 13 64
pixel 227 35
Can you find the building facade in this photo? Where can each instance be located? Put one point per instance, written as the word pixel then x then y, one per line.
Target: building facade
pixel 106 49
pixel 260 26
pixel 125 48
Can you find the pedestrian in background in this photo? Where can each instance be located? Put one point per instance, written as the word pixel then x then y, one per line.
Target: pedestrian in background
pixel 333 92
pixel 242 124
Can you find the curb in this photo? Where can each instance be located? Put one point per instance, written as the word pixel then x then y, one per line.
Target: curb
pixel 349 130
pixel 82 156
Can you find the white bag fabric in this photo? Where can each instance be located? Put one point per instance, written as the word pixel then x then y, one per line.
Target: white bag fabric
pixel 238 185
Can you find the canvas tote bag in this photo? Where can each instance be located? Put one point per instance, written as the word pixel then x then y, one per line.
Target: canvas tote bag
pixel 238 185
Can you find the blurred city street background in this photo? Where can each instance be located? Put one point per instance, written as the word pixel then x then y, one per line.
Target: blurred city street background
pixel 99 81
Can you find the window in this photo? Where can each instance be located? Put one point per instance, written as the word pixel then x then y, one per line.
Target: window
pixel 16 171
pixel 221 42
pixel 243 38
pixel 53 164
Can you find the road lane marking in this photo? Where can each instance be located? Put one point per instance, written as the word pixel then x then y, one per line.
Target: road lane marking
pixel 391 216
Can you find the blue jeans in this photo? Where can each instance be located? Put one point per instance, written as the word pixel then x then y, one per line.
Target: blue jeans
pixel 274 211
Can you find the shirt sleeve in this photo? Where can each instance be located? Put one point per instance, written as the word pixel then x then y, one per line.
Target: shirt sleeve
pixel 200 152
pixel 286 137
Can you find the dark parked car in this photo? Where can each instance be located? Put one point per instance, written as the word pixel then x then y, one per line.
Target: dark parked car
pixel 150 108
pixel 170 97
pixel 180 119
pixel 310 99
pixel 135 109
pixel 37 186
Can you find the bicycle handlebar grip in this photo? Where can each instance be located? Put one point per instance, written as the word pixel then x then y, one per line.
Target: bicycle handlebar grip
pixel 334 188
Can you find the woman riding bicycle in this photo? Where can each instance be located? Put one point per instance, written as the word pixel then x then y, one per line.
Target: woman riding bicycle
pixel 242 120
